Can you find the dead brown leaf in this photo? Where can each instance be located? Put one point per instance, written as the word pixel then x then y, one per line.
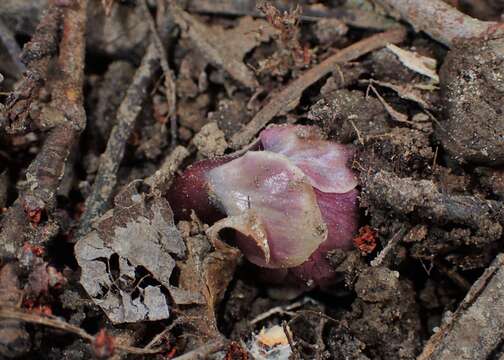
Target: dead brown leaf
pixel 226 48
pixel 136 240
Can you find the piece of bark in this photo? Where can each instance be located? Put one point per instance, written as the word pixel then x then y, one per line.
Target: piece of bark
pixel 475 331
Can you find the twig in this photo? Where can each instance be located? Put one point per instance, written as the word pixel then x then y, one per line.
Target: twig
pixel 378 260
pixel 286 99
pixel 128 111
pixel 476 329
pixel 441 21
pixel 45 173
pixel 203 351
pixel 9 42
pixel 281 310
pixel 13 313
pixel 169 83
pixel 288 334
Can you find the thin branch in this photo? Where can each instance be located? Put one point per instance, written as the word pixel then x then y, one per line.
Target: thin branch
pixel 286 99
pixel 13 313
pixel 106 177
pixel 391 245
pixel 168 73
pixel 441 21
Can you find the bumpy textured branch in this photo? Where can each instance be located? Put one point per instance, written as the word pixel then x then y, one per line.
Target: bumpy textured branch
pixel 46 171
pixel 440 20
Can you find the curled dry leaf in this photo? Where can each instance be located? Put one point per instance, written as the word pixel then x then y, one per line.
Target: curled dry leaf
pixel 421 64
pixel 207 273
pixel 135 240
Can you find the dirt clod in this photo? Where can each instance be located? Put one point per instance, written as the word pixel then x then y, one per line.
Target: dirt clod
pixel 472 79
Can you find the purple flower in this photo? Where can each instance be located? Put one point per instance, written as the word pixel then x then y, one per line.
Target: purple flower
pixel 290 203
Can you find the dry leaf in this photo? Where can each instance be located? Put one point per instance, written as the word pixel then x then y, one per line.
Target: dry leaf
pixel 421 64
pixel 134 241
pixel 226 48
pixel 407 92
pixel 207 272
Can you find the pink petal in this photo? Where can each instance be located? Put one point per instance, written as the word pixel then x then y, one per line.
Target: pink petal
pixel 325 163
pixel 269 201
pixel 341 214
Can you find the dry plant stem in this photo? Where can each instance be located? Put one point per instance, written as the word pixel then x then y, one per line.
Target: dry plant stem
pixel 292 345
pixel 286 99
pixel 45 173
pixel 110 160
pixel 441 21
pixel 14 313
pixel 10 44
pixel 476 329
pixel 203 351
pixel 169 83
pixel 391 245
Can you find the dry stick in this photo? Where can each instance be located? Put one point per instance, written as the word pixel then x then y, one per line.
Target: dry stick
pixel 171 91
pixel 9 42
pixel 441 21
pixel 110 160
pixel 290 340
pixel 476 329
pixel 14 313
pixel 286 99
pixel 45 173
pixel 378 260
